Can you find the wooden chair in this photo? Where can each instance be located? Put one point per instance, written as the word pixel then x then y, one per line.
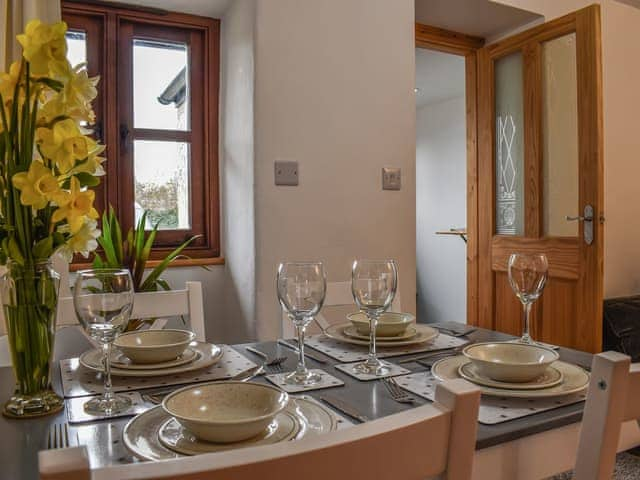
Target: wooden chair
pixel 338 294
pixel 613 396
pixel 159 305
pixel 427 441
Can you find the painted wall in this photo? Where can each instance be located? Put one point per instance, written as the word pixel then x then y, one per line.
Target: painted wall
pixel 621 97
pixel 334 91
pixel 441 165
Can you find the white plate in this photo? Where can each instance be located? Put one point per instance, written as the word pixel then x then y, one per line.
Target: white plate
pixel 120 360
pixel 175 437
pixel 141 434
pixel 207 354
pixel 424 334
pixel 352 332
pixel 575 379
pixel 550 378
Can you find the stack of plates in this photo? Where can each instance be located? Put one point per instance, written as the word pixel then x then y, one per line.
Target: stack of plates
pixel 414 334
pixel 156 435
pixel 512 370
pixel 196 356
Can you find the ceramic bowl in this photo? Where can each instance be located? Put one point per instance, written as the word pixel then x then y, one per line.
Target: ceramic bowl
pixel 226 412
pixel 510 362
pixel 154 346
pixel 390 324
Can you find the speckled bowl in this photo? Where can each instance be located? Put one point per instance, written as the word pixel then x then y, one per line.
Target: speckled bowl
pixel 391 324
pixel 154 346
pixel 510 361
pixel 226 412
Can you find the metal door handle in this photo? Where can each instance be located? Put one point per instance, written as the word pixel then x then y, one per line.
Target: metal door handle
pixel 587 218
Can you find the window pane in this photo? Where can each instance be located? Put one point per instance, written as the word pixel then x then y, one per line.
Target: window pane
pixel 76 47
pixel 509 153
pixel 160 85
pixel 162 183
pixel 560 135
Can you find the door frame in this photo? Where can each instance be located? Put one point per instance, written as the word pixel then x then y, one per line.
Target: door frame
pixel 448 41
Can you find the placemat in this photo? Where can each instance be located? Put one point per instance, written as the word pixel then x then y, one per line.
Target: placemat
pixel 347 352
pixel 78 381
pixel 326 381
pixel 394 370
pixel 493 410
pixel 76 413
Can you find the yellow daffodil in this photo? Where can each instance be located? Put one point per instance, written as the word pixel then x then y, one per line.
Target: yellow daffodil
pixel 78 92
pixel 74 206
pixel 93 164
pixel 8 83
pixel 43 44
pixel 64 144
pixel 84 241
pixel 37 186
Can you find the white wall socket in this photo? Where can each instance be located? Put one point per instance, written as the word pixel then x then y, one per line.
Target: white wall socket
pixel 286 173
pixel 391 178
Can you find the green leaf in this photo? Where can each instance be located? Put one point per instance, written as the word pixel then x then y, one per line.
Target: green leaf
pixel 87 180
pixel 44 248
pixel 141 261
pixel 51 83
pixel 14 252
pixel 155 274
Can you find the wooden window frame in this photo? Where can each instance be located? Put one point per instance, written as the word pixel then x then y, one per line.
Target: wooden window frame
pixel 105 21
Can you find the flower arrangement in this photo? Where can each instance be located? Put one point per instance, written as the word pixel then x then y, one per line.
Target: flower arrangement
pixel 48 165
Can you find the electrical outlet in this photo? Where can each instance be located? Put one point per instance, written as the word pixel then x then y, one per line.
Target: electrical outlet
pixel 286 173
pixel 391 178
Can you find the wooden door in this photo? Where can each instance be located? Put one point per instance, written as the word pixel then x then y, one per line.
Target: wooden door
pixel 540 159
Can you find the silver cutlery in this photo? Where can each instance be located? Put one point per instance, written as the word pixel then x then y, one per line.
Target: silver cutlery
pixel 454 333
pixel 58 436
pixel 345 408
pixel 396 392
pixel 293 347
pixel 436 353
pixel 268 361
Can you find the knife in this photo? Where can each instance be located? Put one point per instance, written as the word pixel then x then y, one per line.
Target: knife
pixel 291 346
pixel 345 408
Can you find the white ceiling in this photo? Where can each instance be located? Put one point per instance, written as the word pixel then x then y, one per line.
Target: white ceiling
pixel 205 8
pixel 482 18
pixel 439 76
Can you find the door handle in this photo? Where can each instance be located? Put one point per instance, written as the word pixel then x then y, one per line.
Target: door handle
pixel 587 218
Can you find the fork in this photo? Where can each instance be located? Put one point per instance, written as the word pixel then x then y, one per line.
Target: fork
pixel 58 436
pixel 275 362
pixel 396 392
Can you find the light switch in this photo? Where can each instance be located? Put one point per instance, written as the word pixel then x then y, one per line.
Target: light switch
pixel 391 178
pixel 286 173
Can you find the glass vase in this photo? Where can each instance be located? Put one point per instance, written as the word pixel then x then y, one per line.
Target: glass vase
pixel 30 299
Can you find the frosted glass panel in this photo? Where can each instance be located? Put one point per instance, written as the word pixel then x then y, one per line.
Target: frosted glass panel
pixel 509 145
pixel 560 136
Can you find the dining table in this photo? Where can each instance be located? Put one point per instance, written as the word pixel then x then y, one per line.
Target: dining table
pixel 534 446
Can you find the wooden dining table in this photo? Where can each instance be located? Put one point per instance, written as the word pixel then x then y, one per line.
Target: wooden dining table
pixel 525 448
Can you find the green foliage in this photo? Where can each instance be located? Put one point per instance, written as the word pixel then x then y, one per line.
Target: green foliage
pixel 132 252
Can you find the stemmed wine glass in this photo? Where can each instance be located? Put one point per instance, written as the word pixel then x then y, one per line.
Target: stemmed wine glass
pixel 373 284
pixel 527 276
pixel 302 287
pixel 103 300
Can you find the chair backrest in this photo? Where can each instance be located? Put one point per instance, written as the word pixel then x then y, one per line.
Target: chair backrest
pixel 338 294
pixel 613 395
pixel 416 444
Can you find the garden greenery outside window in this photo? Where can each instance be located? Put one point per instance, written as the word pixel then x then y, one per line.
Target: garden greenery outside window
pixel 157 113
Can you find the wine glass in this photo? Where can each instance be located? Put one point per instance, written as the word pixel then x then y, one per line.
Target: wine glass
pixel 103 300
pixel 527 276
pixel 373 284
pixel 302 287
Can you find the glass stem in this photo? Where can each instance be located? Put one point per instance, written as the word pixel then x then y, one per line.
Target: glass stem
pixel 373 323
pixel 527 314
pixel 302 367
pixel 106 349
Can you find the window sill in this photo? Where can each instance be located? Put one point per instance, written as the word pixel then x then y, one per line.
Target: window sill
pixel 181 262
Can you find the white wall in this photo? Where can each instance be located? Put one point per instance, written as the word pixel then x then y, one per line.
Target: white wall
pixel 441 170
pixel 334 91
pixel 621 98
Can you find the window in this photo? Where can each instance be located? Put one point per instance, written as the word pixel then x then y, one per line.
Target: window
pixel 157 113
